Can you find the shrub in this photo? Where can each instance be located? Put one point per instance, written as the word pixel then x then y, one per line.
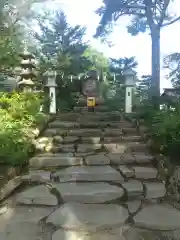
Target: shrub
pixel 166 132
pixel 19 112
pixel 164 129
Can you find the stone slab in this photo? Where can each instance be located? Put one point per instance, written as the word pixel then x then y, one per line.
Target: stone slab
pixel 114 139
pixel 62 160
pixel 98 159
pixel 67 148
pixel 91 140
pixel 93 124
pixel 55 155
pixel 88 192
pixel 129 130
pixel 126 171
pixel 68 116
pixel 70 139
pixel 83 148
pixel 112 132
pixel 145 172
pixel 142 158
pixel 50 132
pixel 84 154
pixel 120 159
pixel 62 234
pixel 132 138
pixel 63 124
pixel 37 176
pixel 158 217
pixel 133 188
pixel 22 231
pixel 89 217
pixel 88 173
pixel 117 148
pixel 138 147
pixel 39 195
pixel 23 214
pixel 155 190
pixel 85 132
pixel 7 189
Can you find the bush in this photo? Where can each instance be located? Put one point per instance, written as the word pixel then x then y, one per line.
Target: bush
pixel 18 114
pixel 166 132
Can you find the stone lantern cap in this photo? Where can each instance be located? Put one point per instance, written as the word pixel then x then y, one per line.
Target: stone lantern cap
pixel 26 55
pixel 51 78
pixel 129 75
pixel 26 82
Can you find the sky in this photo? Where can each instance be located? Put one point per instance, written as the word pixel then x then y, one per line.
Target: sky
pixel 124 45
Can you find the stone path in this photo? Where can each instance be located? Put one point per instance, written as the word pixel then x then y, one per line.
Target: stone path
pixel 93 178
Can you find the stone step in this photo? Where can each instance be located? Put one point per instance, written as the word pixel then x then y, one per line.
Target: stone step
pixel 91 193
pixel 129 130
pixel 117 147
pixel 84 124
pixel 89 116
pixel 50 132
pixel 110 221
pixel 50 160
pixel 86 132
pixel 89 132
pixel 104 173
pixel 114 139
pixel 68 116
pixel 43 142
pixel 88 174
pixel 129 147
pixel 100 117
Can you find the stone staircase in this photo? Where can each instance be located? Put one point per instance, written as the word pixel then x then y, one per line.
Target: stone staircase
pixel 94 178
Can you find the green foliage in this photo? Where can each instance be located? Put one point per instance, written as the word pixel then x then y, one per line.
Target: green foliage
pixel 61 44
pixel 137 25
pixel 145 15
pixel 63 49
pixel 166 132
pixel 97 59
pixel 18 113
pixel 172 63
pixel 143 88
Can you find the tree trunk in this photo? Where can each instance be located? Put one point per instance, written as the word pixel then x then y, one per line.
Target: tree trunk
pixel 155 83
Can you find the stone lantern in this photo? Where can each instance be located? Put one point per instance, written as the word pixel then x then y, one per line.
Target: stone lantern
pixel 51 85
pixel 129 75
pixel 25 82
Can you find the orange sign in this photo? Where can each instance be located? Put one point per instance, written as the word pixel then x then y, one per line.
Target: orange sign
pixel 91 101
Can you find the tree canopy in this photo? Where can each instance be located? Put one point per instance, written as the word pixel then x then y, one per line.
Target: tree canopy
pixel 146 15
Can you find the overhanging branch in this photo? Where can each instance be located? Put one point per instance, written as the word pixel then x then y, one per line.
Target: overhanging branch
pixel 171 22
pixel 163 13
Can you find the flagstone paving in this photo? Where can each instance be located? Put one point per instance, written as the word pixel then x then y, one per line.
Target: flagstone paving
pixel 92 178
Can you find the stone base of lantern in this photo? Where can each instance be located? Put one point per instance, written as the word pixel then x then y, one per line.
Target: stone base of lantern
pixel 128 100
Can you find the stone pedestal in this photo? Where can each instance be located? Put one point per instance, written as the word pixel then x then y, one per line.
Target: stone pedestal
pixel 128 100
